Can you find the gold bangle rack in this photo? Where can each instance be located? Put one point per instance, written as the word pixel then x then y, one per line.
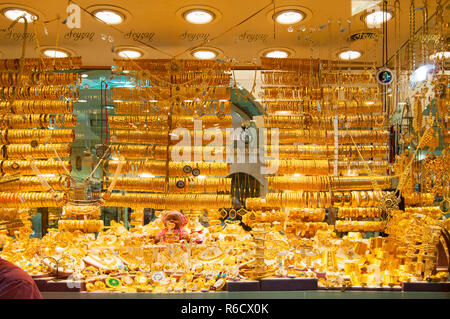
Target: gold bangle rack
pixel 36 130
pixel 324 124
pixel 177 93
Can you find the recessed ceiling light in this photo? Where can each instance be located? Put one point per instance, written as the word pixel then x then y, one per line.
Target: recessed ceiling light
pixel 129 54
pixel 349 55
pixel 276 54
pixel 289 16
pixel 14 13
pixel 377 17
pixel 204 54
pixel 199 16
pixel 440 55
pixel 109 16
pixel 55 53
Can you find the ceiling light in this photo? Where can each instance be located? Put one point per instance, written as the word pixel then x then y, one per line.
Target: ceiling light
pixel 377 17
pixel 109 16
pixel 204 54
pixel 349 55
pixel 54 53
pixel 289 16
pixel 129 54
pixel 14 13
pixel 276 54
pixel 199 16
pixel 440 55
pixel 84 75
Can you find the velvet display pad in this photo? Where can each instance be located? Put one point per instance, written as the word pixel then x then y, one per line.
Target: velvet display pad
pixel 426 286
pixel 251 285
pixel 288 284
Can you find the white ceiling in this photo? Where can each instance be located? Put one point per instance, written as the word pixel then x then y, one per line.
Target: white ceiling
pixel 159 17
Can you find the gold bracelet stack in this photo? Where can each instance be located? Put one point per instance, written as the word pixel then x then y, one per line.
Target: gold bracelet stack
pixel 29 200
pixel 87 226
pixel 156 185
pixel 322 183
pixel 359 226
pixel 207 153
pixel 15 136
pixel 316 93
pixel 162 107
pixel 41 107
pixel 322 151
pixel 41 151
pixel 432 211
pixel 303 229
pixel 176 185
pixel 39 64
pixel 303 214
pixel 140 137
pixel 138 122
pixel 296 183
pixel 38 78
pixel 160 122
pixel 207 121
pixel 161 137
pixel 360 167
pixel 196 185
pixel 39 93
pixel 359 182
pixel 305 167
pixel 298 107
pixel 307 214
pixel 28 121
pixel 75 211
pixel 33 183
pixel 165 93
pixel 255 217
pixel 357 198
pixel 44 166
pixel 355 212
pixel 258 204
pixel 288 136
pixel 169 201
pixel 307 121
pixel 419 199
pixel 12 214
pixel 299 199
